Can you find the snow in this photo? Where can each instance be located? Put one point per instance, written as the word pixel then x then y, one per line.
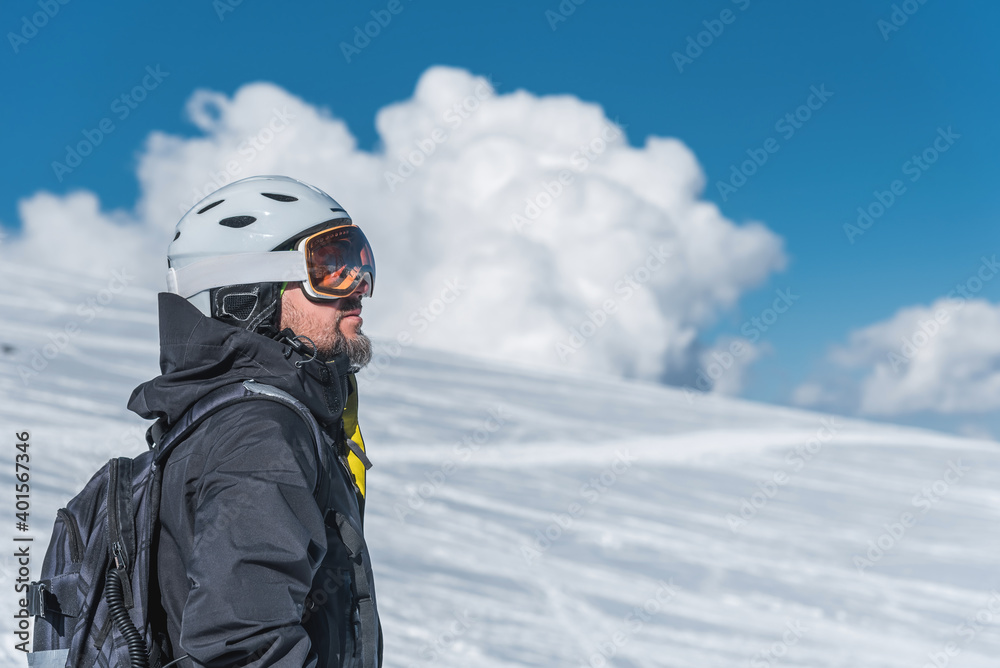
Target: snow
pixel 647 560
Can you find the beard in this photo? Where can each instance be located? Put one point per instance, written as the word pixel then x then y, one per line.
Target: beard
pixel 331 342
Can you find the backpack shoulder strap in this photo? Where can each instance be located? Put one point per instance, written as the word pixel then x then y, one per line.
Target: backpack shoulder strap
pixel 164 439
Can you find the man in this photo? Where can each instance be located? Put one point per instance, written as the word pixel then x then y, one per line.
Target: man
pixel 254 566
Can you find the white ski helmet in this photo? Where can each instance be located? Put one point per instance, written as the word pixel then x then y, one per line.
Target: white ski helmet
pixel 222 258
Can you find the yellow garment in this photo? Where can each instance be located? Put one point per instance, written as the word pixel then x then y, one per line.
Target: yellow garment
pixel 353 432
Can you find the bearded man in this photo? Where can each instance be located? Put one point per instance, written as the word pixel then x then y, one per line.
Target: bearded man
pixel 260 556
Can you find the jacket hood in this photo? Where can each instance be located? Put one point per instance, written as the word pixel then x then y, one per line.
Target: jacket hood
pixel 199 354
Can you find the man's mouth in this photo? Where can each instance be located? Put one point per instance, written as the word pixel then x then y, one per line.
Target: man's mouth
pixel 353 313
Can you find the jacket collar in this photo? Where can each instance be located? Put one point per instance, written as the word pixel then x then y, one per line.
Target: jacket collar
pixel 199 354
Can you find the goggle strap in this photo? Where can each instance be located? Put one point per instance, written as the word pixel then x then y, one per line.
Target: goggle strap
pixel 237 269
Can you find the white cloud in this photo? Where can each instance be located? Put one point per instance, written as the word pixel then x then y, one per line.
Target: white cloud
pixel 527 281
pixel 724 367
pixel 943 358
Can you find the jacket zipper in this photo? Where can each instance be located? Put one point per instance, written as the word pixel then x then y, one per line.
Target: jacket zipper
pixel 118 551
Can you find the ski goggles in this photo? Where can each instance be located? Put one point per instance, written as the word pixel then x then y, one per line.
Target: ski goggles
pixel 338 261
pixel 330 264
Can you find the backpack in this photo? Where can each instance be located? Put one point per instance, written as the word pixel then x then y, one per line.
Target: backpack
pixel 92 604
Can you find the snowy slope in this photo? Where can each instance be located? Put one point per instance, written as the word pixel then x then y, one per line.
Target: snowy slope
pixel 475 463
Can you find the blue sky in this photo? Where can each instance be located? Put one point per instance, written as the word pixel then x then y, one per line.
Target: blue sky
pixel 891 93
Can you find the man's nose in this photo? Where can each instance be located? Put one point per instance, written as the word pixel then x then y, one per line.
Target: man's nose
pixel 364 288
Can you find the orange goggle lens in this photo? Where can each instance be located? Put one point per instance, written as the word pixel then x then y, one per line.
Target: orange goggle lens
pixel 338 260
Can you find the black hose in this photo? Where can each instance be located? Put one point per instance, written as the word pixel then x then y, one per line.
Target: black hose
pixel 137 650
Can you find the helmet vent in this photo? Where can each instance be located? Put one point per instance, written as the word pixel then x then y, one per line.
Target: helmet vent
pixel 237 221
pixel 177 236
pixel 335 210
pixel 206 208
pixel 281 198
pixel 239 306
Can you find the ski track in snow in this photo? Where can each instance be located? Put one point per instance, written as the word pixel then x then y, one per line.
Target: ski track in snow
pixel 453 528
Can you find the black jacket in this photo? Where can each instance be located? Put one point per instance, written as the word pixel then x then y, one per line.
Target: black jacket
pixel 251 567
